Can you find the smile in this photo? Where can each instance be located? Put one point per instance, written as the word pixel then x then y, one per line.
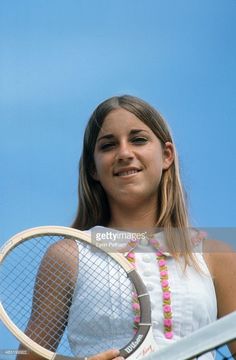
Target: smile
pixel 128 172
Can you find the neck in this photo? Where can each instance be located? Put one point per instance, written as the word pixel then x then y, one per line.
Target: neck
pixel 140 218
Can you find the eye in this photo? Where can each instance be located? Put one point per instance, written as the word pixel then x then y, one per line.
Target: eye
pixel 107 146
pixel 139 140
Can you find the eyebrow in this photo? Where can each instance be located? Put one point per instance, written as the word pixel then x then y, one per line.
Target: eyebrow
pixel 111 136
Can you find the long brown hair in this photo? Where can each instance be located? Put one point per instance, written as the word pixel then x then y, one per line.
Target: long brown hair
pixel 93 207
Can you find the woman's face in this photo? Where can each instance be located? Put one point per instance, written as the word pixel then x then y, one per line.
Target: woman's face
pixel 129 159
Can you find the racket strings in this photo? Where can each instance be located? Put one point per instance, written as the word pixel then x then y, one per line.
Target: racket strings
pixel 14 272
pixel 113 279
pixel 18 277
pixel 108 304
pixel 52 298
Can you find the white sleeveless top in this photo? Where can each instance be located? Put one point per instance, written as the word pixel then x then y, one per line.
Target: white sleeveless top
pixel 193 302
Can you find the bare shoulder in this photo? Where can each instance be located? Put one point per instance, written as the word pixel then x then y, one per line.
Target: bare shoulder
pixel 63 249
pixel 216 246
pixel 218 255
pixel 221 260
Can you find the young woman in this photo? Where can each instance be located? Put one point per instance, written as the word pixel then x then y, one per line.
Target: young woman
pixel 129 180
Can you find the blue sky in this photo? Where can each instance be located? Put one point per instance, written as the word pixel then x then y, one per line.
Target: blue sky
pixel 59 59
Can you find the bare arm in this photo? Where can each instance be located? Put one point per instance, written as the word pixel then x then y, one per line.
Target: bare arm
pixel 221 260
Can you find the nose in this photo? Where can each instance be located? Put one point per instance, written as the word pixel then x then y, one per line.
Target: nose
pixel 124 151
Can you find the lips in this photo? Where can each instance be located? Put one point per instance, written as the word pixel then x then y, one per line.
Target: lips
pixel 126 171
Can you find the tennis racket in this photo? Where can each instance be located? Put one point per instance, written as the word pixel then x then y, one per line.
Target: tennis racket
pixel 62 296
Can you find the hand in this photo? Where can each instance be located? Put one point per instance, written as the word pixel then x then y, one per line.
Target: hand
pixel 112 354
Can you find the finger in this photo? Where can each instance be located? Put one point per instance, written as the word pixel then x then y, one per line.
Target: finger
pixel 112 354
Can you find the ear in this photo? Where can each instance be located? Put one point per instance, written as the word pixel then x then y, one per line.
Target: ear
pixel 168 155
